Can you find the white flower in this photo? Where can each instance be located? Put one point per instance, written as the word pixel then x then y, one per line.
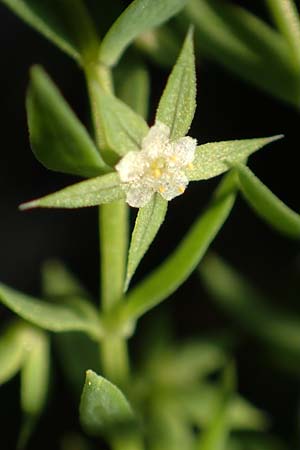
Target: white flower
pixel 158 167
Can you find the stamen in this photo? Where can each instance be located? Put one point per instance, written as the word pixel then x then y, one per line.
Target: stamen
pixel 156 173
pixel 190 166
pixel 181 189
pixel 161 189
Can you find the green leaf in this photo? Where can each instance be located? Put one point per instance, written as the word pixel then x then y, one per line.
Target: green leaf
pixel 148 221
pixel 133 86
pixel 140 16
pixel 240 41
pixel 53 317
pixel 269 207
pixel 181 263
pixel 104 409
pixel 178 102
pixel 213 158
pixel 234 294
pixel 103 189
pixel 34 384
pixel 58 139
pixel 12 350
pixel 64 22
pixel 123 128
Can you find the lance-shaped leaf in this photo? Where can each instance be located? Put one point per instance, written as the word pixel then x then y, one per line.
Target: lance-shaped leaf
pixel 104 409
pixel 64 22
pixel 179 265
pixel 214 158
pixel 133 86
pixel 58 139
pixel 123 128
pixel 34 384
pixel 178 102
pixel 248 306
pixel 103 189
pixel 140 16
pixel 269 207
pixel 147 224
pixel 12 350
pixel 53 317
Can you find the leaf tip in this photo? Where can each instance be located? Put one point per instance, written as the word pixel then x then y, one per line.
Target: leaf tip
pixel 28 205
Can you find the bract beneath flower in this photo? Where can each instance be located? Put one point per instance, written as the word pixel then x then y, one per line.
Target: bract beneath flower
pixel 158 167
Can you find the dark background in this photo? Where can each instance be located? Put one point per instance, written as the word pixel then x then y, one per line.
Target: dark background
pixel 228 108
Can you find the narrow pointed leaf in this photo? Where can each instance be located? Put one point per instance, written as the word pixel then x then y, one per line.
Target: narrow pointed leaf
pixel 147 224
pixel 180 264
pixel 64 22
pixel 103 189
pixel 123 128
pixel 58 139
pixel 178 102
pixel 140 16
pixel 269 207
pixel 235 295
pixel 53 317
pixel 34 384
pixel 214 158
pixel 133 86
pixel 12 351
pixel 103 408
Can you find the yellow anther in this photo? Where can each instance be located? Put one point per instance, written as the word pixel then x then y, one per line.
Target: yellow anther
pixel 161 189
pixel 173 158
pixel 190 166
pixel 156 173
pixel 181 189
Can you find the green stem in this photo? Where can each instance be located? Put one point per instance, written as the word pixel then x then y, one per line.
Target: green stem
pixel 113 230
pixel 286 17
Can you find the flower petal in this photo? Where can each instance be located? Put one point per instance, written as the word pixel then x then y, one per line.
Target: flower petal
pixel 157 137
pixel 138 195
pixel 131 167
pixel 182 151
pixel 174 185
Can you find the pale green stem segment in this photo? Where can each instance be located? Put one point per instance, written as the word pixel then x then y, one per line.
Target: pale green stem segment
pixel 113 225
pixel 113 229
pixel 286 17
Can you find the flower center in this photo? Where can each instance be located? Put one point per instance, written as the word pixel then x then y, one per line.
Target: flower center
pixel 157 167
